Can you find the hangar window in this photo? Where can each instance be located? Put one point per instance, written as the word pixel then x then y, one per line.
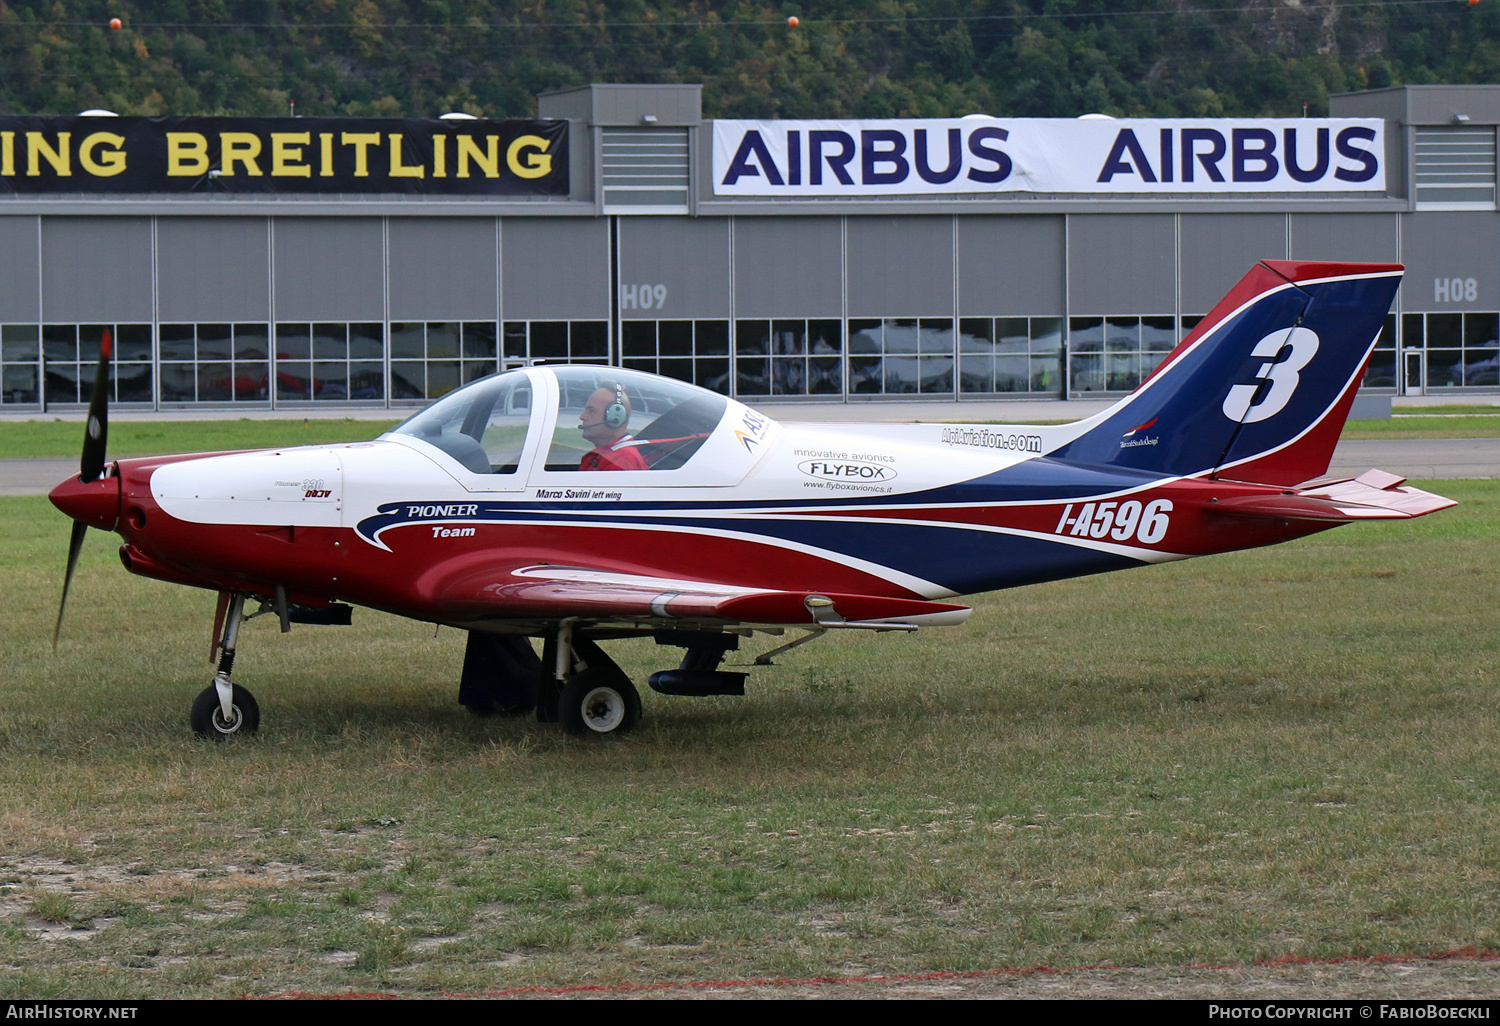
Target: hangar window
pixel 433 358
pixel 528 342
pixel 330 361
pixel 1117 353
pixel 901 356
pixel 1010 354
pixel 20 363
pixel 692 351
pixel 214 362
pixel 1462 350
pixel 789 357
pixel 70 353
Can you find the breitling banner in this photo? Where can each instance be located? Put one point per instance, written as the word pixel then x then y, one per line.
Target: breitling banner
pixel 1046 155
pixel 282 155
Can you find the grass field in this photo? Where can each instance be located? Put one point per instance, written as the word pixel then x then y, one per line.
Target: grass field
pixel 1287 751
pixel 1413 425
pixel 1454 410
pixel 57 439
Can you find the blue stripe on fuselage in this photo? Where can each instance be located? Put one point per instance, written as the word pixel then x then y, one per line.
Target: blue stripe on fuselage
pixel 963 561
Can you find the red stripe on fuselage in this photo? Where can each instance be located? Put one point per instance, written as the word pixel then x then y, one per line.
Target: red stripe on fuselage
pixel 316 565
pixel 686 555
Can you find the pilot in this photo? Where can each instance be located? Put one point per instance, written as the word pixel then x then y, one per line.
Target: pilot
pixel 604 422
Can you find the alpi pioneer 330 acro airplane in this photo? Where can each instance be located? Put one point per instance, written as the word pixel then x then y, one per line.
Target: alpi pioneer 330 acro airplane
pixel 579 504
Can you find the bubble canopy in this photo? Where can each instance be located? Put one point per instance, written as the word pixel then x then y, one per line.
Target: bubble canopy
pixel 488 425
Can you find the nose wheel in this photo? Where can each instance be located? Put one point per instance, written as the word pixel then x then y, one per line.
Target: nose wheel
pixel 224 709
pixel 210 722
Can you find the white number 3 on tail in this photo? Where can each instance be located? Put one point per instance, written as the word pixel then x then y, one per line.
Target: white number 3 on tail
pixel 1283 376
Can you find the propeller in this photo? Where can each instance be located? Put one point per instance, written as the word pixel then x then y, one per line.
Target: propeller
pixel 90 465
pixel 96 434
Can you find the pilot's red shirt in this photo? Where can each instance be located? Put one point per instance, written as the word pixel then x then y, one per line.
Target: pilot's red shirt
pixel 622 455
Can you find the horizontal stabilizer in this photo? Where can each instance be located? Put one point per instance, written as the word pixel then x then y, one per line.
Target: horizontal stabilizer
pixel 1374 495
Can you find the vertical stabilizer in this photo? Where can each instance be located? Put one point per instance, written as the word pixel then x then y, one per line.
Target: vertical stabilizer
pixel 1260 389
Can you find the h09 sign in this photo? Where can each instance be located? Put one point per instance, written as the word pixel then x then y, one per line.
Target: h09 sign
pixel 1084 156
pixel 282 155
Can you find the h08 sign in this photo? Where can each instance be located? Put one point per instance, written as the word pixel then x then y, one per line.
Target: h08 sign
pixel 1084 156
pixel 270 155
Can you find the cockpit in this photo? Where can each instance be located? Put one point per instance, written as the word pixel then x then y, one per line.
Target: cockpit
pixel 547 423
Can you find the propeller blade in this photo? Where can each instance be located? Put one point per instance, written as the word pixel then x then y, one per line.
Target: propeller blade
pixel 75 543
pixel 91 465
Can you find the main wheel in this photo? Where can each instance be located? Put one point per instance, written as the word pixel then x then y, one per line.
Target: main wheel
pixel 208 720
pixel 596 703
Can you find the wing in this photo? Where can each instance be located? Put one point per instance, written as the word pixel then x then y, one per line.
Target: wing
pixel 528 590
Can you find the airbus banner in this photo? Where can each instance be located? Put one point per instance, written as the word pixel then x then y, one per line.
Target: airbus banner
pixel 1048 155
pixel 209 155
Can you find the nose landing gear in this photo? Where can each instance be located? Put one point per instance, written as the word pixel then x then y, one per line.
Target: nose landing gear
pixel 210 721
pixel 224 709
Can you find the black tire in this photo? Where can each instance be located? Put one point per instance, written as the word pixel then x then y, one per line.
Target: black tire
pixel 598 703
pixel 499 712
pixel 208 721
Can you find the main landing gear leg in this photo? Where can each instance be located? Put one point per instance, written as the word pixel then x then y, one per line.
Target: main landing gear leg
pixel 224 709
pixel 583 689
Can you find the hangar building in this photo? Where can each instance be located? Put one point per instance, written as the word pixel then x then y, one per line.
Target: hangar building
pixel 820 261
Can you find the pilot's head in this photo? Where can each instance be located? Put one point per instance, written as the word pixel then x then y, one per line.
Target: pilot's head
pixel 605 416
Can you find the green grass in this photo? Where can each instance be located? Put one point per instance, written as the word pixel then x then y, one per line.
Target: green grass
pixel 1427 426
pixel 1221 760
pixel 57 439
pixel 1457 410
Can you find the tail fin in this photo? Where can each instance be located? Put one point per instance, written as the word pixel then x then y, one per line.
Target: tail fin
pixel 1260 389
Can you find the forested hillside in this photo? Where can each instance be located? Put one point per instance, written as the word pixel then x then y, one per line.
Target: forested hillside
pixel 886 58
